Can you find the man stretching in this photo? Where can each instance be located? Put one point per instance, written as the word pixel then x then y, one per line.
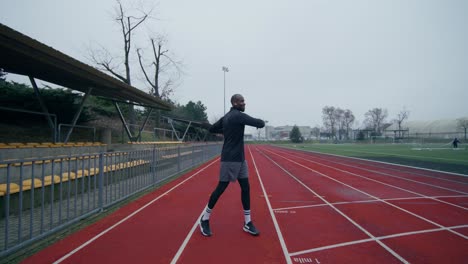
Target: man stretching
pixel 233 163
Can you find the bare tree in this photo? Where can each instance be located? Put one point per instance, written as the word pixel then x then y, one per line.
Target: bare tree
pixel 315 131
pixel 348 119
pixel 329 120
pixel 463 123
pixel 108 62
pixel 163 64
pixel 402 116
pixel 128 24
pixel 339 116
pixel 375 118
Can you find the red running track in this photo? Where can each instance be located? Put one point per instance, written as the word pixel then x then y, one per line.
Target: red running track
pixel 310 208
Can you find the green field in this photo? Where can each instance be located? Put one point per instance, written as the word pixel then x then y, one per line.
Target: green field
pixel 436 157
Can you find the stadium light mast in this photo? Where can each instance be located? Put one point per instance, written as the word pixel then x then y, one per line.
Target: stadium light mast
pixel 225 69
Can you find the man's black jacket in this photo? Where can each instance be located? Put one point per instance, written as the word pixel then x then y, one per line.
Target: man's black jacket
pixel 232 127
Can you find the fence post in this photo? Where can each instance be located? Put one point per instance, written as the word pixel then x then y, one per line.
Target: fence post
pixel 178 158
pixel 203 152
pixel 193 155
pixel 101 181
pixel 153 164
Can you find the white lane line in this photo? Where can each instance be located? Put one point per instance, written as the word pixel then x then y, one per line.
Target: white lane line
pixel 370 179
pixel 347 185
pixel 387 174
pixel 129 216
pixel 370 239
pixel 416 171
pixel 382 162
pixel 320 205
pixel 187 239
pixel 367 201
pixel 341 213
pixel 275 222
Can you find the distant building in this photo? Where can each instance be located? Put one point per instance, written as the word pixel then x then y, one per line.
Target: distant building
pixel 282 132
pixel 248 137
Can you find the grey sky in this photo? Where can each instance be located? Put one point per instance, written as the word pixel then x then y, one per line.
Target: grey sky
pixel 288 58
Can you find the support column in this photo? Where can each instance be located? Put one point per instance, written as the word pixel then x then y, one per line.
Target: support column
pixel 129 134
pixel 44 109
pixel 77 115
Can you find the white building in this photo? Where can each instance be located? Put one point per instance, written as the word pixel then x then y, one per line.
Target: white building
pixel 282 132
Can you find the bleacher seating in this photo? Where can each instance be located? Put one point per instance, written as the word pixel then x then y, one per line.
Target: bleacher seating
pixel 48 179
pixel 65 161
pixel 14 188
pixel 66 176
pixel 28 184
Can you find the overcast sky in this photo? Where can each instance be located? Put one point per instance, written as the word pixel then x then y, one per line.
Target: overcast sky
pixel 288 58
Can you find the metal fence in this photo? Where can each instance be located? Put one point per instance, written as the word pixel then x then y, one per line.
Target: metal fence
pixel 39 196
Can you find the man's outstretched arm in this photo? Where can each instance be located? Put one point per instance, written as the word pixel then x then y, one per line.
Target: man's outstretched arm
pixel 250 121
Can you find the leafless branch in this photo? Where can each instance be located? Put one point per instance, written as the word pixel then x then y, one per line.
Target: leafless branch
pixel 104 61
pixel 143 68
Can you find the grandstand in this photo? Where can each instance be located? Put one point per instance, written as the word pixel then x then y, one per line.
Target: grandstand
pixel 47 186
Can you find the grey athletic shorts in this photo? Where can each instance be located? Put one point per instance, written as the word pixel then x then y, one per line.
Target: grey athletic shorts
pixel 231 171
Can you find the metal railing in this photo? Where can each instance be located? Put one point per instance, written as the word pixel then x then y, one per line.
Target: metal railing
pixel 39 196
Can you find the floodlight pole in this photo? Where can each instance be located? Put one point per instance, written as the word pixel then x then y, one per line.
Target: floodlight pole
pixel 225 69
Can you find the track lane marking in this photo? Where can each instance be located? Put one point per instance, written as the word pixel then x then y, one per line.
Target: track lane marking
pixel 349 186
pixel 391 175
pixel 129 216
pixel 383 183
pixel 187 239
pixel 386 163
pixel 306 251
pixel 402 155
pixel 391 251
pixel 195 226
pixel 273 217
pixel 367 201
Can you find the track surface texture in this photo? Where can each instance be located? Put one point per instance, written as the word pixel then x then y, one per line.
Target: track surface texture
pixel 309 208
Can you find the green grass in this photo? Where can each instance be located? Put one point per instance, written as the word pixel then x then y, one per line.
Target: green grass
pixel 436 156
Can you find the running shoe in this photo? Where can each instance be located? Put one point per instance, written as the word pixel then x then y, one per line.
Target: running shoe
pixel 205 227
pixel 250 228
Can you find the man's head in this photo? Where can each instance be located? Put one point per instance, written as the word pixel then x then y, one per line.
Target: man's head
pixel 237 102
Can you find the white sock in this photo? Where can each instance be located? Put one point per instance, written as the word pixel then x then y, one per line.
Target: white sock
pixel 206 215
pixel 247 216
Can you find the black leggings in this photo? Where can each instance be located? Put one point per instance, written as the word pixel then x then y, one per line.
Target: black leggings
pixel 245 193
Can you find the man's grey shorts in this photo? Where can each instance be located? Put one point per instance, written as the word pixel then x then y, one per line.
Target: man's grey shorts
pixel 231 171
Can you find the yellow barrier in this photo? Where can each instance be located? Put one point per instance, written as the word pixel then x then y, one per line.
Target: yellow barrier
pixel 27 184
pixel 14 188
pixel 66 176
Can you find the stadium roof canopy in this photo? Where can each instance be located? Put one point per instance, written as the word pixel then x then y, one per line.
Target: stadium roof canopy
pixel 23 55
